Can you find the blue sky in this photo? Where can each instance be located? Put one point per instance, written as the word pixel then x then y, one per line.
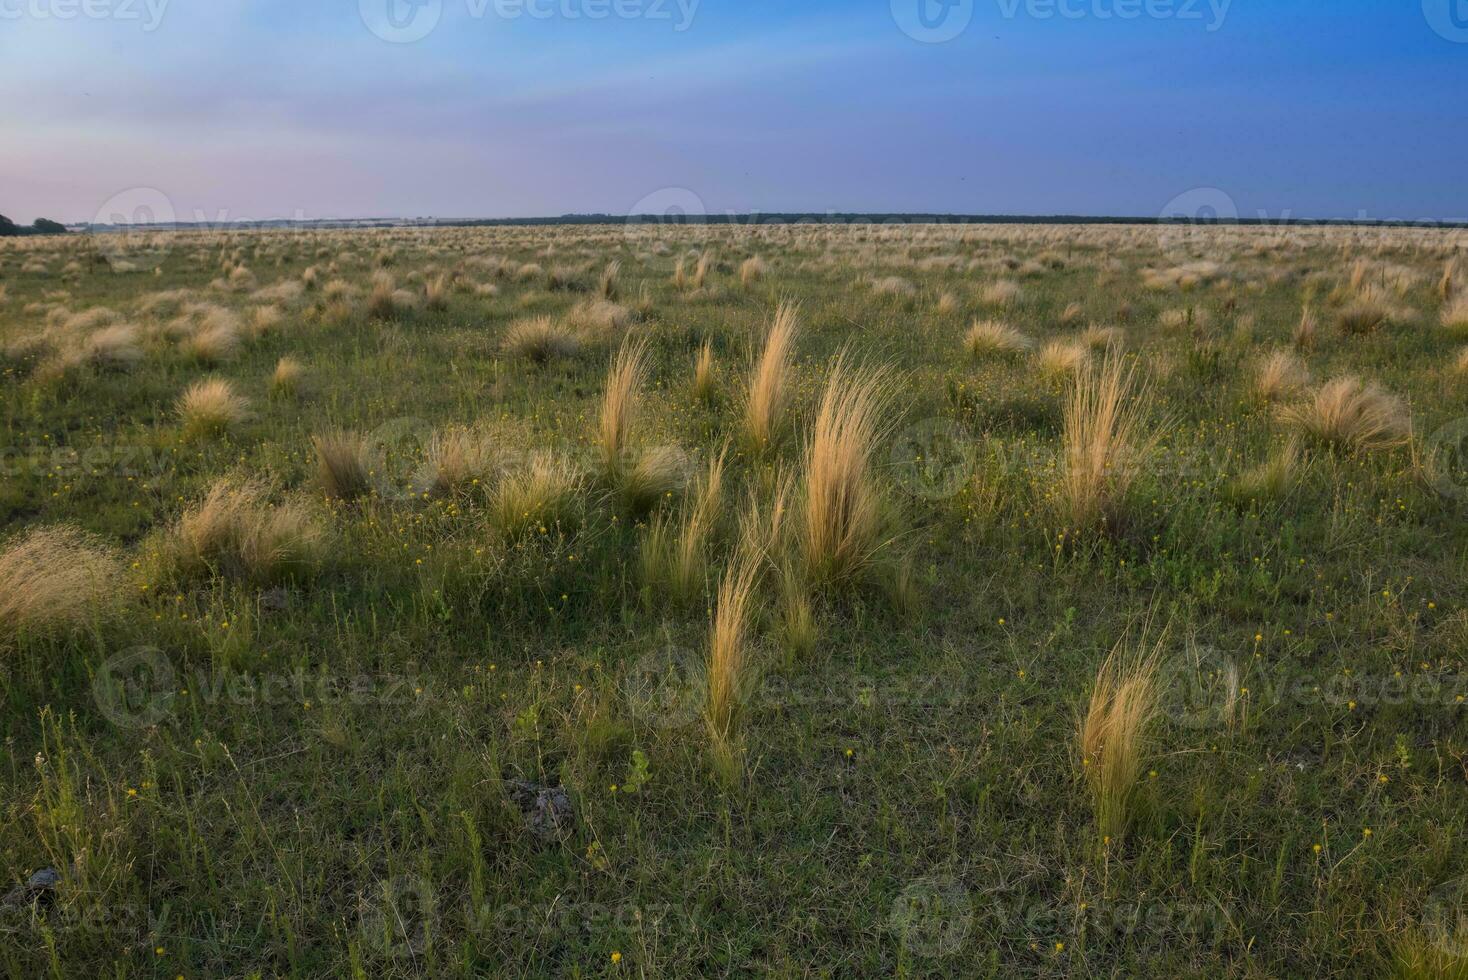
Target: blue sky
pixel 256 109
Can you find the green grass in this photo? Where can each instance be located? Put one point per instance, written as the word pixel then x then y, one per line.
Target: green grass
pixel 312 781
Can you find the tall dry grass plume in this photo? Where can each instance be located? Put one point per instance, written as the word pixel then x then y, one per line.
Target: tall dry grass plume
pixel 730 668
pixel 679 560
pixel 701 270
pixel 1114 732
pixel 436 294
pixel 55 579
pixel 768 395
pixel 705 385
pixel 1105 442
pixel 607 287
pixel 842 526
pixel 1281 373
pixel 751 271
pixel 619 406
pixel 1307 330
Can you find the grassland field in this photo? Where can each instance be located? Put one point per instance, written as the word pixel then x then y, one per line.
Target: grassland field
pixel 800 600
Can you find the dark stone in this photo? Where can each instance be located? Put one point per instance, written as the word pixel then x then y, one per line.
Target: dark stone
pixel 40 887
pixel 547 809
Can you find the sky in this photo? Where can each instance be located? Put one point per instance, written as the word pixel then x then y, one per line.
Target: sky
pixel 249 110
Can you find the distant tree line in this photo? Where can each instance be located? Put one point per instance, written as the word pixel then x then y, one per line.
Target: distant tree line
pixel 42 226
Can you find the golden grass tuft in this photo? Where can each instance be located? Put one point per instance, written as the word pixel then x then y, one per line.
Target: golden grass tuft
pixel 619 407
pixel 764 405
pixel 458 461
pixel 343 466
pixel 537 497
pixel 1105 441
pixel 1368 309
pixel 265 319
pixel 656 475
pixel 1060 359
pixel 751 270
pixel 235 532
pixel 1114 732
pixel 730 668
pixel 680 562
pixel 1097 337
pixel 212 343
pixel 992 338
pixel 436 293
pixel 386 301
pixel 607 286
pixel 1352 415
pixel 842 509
pixel 116 348
pixel 540 339
pixel 289 377
pixel 1307 330
pixel 56 579
pixel 1003 292
pixel 705 384
pixel 211 407
pixel 1280 373
pixel 1454 315
pixel 1270 480
pixel 598 320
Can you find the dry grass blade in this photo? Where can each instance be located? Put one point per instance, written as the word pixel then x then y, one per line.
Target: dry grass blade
pixel 619 406
pixel 843 503
pixel 1113 734
pixel 730 667
pixel 1105 441
pixel 769 383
